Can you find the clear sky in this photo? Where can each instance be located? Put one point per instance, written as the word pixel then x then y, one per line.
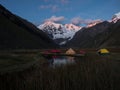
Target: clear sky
pixel 66 11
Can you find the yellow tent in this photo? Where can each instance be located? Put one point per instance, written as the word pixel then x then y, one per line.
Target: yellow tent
pixel 103 51
pixel 70 51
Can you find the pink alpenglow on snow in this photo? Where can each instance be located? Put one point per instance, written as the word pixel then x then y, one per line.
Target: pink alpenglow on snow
pixel 116 17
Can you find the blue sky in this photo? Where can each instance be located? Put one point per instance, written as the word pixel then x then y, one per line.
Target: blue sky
pixel 65 11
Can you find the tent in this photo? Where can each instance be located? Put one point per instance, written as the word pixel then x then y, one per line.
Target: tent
pixel 82 52
pixel 103 51
pixel 55 51
pixel 70 51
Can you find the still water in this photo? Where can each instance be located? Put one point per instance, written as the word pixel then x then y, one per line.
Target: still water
pixel 60 61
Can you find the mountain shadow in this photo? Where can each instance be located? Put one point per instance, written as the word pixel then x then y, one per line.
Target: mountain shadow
pixel 104 34
pixel 18 33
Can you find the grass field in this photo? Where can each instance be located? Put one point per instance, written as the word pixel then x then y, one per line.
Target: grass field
pixel 15 62
pixel 31 72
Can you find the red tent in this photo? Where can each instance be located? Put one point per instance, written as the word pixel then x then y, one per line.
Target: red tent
pixel 55 51
pixel 82 52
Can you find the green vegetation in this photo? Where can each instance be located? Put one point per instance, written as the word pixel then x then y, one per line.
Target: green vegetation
pixel 92 72
pixel 14 62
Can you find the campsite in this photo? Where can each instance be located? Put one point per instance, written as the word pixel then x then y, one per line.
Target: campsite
pixel 92 70
pixel 59 45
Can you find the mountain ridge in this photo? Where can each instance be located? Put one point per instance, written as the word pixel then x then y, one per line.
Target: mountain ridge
pixel 105 34
pixel 84 36
pixel 18 33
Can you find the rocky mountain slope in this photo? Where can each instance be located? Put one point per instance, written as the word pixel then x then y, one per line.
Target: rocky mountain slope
pixel 17 33
pixel 104 34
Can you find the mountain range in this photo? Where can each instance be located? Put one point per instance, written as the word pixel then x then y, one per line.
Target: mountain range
pixel 58 32
pixel 18 33
pixel 103 34
pixel 97 33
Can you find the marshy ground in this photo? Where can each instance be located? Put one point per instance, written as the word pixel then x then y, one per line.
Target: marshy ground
pixel 30 71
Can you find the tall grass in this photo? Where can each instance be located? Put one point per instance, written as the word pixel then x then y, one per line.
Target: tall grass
pixel 92 72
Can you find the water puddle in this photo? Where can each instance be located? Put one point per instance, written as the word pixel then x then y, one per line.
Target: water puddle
pixel 60 61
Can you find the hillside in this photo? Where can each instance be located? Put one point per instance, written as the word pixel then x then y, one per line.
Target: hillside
pixel 18 33
pixel 110 38
pixel 105 34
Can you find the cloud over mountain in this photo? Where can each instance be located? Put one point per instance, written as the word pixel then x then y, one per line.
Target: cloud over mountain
pixel 76 21
pixel 56 19
pixel 79 21
pixel 89 21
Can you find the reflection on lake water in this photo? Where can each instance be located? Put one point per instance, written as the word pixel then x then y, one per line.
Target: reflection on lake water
pixel 61 60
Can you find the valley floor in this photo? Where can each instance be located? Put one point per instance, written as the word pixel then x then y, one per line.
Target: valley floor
pixel 28 70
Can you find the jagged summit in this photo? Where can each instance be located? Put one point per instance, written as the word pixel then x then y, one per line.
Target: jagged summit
pixel 49 24
pixel 72 27
pixel 93 23
pixel 63 33
pixel 59 31
pixel 57 26
pixel 116 17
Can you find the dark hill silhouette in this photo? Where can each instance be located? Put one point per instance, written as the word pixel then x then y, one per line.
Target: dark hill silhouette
pixel 18 33
pixel 104 34
pixel 110 37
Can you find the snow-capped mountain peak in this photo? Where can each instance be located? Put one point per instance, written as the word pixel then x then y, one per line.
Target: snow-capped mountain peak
pixel 72 27
pixel 93 23
pixel 116 17
pixel 59 31
pixel 49 24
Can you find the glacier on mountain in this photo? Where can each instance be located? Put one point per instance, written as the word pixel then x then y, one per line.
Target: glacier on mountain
pixel 59 31
pixel 116 17
pixel 62 33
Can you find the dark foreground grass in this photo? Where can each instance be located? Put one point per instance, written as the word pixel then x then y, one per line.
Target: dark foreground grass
pixel 92 72
pixel 15 62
